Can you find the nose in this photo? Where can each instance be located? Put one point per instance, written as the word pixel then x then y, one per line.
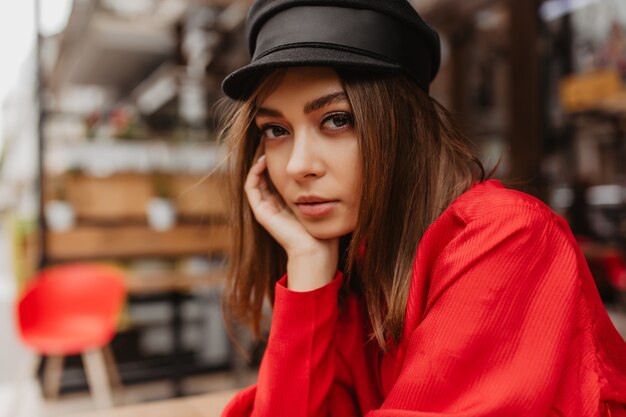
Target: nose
pixel 305 160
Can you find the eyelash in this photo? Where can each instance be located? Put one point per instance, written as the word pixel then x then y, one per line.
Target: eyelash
pixel 350 121
pixel 344 114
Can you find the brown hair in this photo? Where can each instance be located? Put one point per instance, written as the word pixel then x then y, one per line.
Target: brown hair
pixel 415 162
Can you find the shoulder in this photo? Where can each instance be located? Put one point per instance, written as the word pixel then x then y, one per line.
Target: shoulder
pixel 490 215
pixel 492 239
pixel 501 238
pixel 490 200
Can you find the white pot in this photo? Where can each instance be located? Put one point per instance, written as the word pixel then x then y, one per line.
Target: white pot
pixel 161 214
pixel 60 215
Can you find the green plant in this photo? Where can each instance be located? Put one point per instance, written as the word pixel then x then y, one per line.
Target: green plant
pixel 161 185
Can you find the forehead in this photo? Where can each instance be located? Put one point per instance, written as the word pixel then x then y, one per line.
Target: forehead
pixel 302 84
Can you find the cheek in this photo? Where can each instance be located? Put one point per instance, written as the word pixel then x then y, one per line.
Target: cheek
pixel 350 168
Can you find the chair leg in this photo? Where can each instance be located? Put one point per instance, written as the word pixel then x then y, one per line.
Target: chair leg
pixel 34 366
pixel 53 369
pixel 112 371
pixel 95 369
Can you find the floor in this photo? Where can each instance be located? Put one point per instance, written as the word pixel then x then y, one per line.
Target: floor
pixel 81 402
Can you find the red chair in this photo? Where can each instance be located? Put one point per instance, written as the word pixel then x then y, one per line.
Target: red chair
pixel 73 309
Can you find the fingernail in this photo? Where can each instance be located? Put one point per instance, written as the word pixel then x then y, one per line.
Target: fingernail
pixel 261 158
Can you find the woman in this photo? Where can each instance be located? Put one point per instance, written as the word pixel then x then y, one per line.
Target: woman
pixel 410 285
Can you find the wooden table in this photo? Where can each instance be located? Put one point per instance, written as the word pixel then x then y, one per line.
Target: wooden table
pixel 206 405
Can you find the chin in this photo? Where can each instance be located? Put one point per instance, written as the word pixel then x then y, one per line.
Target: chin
pixel 328 229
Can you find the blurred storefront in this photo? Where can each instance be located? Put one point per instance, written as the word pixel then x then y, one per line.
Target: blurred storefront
pixel 130 172
pixel 540 87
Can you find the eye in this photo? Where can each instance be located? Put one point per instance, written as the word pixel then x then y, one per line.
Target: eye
pixel 273 131
pixel 337 121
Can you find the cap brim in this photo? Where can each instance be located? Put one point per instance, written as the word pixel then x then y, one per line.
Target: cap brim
pixel 240 84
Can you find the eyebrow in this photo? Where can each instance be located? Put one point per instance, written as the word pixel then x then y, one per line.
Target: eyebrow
pixel 309 107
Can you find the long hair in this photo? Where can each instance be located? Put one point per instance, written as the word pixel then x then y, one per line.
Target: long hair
pixel 415 162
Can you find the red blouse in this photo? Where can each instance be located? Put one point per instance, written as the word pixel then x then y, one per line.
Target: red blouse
pixel 503 319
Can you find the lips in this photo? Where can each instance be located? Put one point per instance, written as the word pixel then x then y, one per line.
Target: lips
pixel 312 200
pixel 312 206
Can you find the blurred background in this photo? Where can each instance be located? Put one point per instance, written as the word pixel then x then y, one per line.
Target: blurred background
pixel 108 154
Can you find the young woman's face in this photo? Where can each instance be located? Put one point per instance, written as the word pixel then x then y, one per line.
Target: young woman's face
pixel 312 152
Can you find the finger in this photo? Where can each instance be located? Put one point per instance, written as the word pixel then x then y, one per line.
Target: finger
pixel 261 195
pixel 260 150
pixel 264 185
pixel 268 191
pixel 256 183
pixel 255 173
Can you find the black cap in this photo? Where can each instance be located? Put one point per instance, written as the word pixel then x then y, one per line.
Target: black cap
pixel 372 35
